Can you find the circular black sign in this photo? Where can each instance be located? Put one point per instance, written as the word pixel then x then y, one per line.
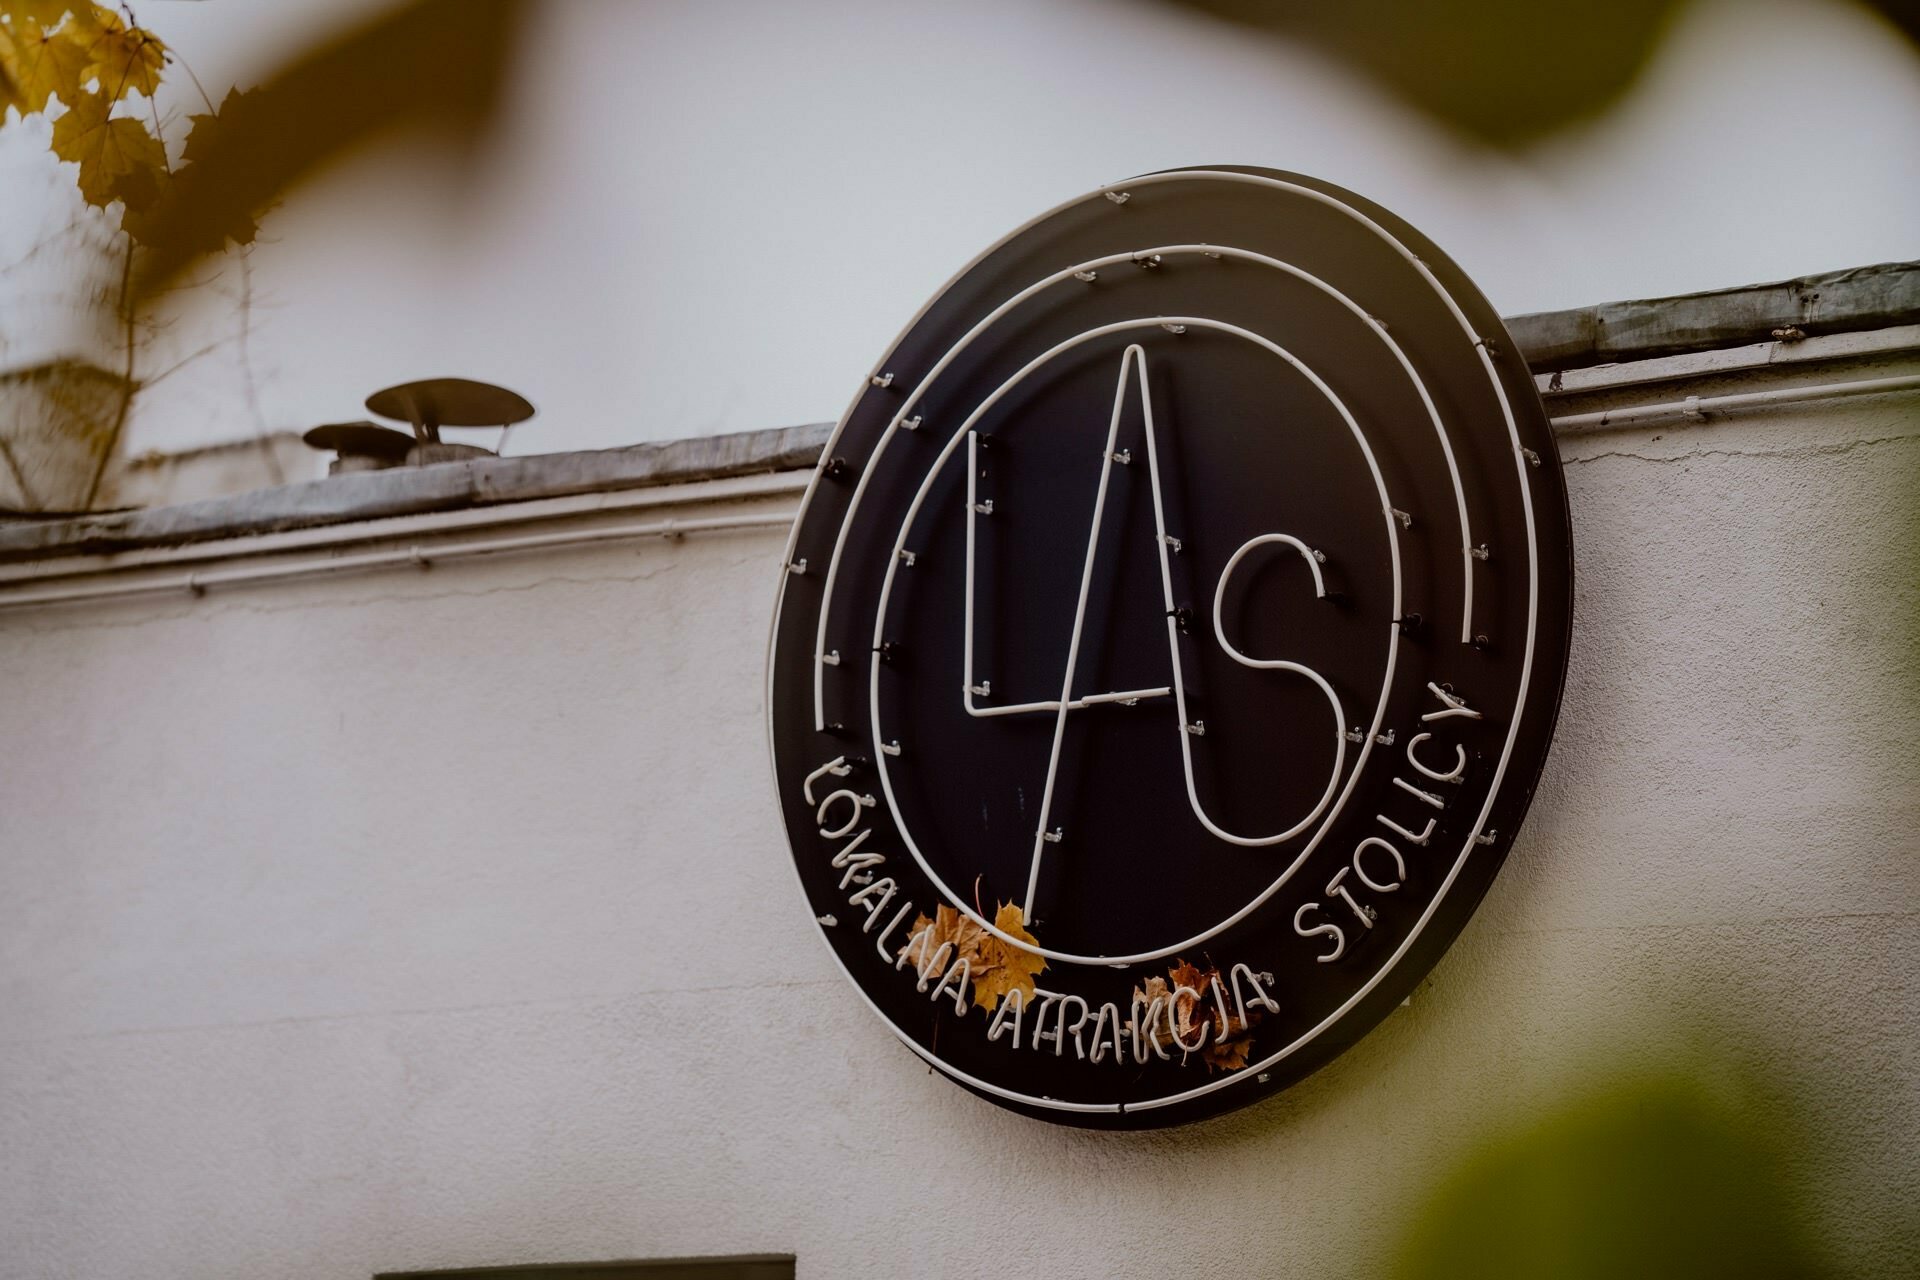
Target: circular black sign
pixel 1170 641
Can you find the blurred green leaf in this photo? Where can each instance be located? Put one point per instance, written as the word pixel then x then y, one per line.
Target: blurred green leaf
pixel 1505 72
pixel 1651 1180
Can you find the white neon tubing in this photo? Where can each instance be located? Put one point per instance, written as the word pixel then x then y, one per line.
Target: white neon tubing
pixel 1173 638
pixel 1132 357
pixel 886 588
pixel 1078 704
pixel 898 421
pixel 1277 664
pixel 967 683
pixel 1458 771
pixel 966 664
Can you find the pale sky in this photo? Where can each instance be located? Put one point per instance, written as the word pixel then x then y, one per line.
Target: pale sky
pixel 714 217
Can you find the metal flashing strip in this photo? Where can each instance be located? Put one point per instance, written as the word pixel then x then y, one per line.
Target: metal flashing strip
pixel 199 582
pixel 405 491
pixel 119 575
pixel 1882 296
pixel 1783 356
pixel 578 508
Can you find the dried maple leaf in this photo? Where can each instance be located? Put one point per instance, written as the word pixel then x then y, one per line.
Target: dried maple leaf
pixel 947 928
pixel 122 58
pixel 113 152
pixel 1229 1034
pixel 1144 999
pixel 1003 966
pixel 1188 1011
pixel 1227 1055
pixel 994 967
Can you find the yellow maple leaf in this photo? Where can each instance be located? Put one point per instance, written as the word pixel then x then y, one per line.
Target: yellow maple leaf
pixel 122 58
pixel 41 64
pixel 116 154
pixel 1005 967
pixel 48 13
pixel 994 966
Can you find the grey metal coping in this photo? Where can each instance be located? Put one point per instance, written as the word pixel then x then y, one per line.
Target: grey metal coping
pixel 1849 301
pixel 1854 300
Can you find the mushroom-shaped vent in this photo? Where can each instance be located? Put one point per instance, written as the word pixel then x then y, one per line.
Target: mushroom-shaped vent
pixel 449 402
pixel 360 446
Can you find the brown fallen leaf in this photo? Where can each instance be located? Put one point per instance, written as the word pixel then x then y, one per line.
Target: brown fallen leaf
pixel 1229 1037
pixel 947 928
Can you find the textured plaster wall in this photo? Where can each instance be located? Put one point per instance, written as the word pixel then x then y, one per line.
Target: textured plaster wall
pixel 412 920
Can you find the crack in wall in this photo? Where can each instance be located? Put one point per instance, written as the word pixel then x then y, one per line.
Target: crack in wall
pixel 1801 451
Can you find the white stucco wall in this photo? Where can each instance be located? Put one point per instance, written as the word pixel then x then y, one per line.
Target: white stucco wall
pixel 427 919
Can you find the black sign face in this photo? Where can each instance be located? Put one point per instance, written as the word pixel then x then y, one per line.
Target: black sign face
pixel 1171 640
